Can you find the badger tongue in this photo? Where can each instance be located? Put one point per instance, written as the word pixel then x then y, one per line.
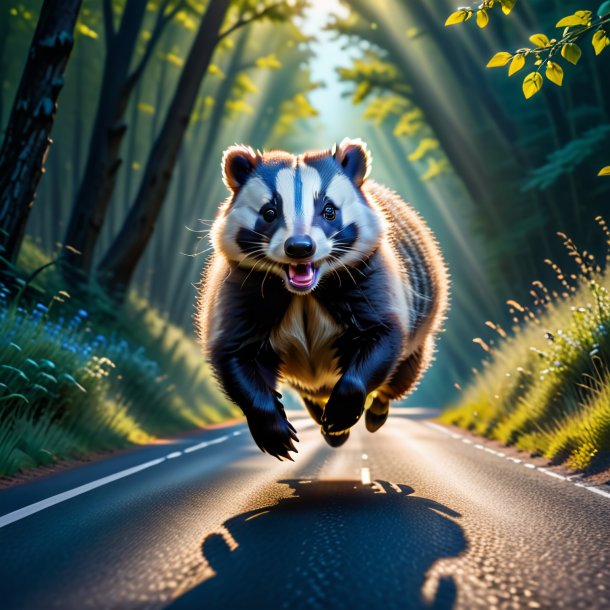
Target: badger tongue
pixel 301 275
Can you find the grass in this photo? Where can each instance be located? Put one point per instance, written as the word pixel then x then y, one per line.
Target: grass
pixel 76 380
pixel 545 388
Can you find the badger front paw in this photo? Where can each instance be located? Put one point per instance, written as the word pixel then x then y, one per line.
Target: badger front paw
pixel 345 405
pixel 272 432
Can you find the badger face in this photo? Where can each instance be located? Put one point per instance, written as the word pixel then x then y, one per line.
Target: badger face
pixel 302 218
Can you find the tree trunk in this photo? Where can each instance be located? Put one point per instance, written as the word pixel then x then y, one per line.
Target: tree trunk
pixel 119 263
pixel 27 137
pixel 103 161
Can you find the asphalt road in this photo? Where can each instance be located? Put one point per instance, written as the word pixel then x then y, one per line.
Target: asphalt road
pixel 410 517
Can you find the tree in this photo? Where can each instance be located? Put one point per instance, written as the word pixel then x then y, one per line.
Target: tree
pixel 27 137
pixel 119 263
pixel 104 158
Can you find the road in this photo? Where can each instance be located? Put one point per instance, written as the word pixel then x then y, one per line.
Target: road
pixel 410 517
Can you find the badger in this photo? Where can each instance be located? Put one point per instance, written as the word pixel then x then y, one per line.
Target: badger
pixel 322 280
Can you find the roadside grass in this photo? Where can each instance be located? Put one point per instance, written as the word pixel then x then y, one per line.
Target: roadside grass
pixel 80 378
pixel 545 388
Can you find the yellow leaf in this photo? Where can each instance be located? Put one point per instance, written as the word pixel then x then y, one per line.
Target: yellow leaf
pixel 585 16
pixel 516 64
pixel 532 84
pixel 425 146
pixel 216 71
pixel 482 18
pixel 146 108
pixel 571 52
pixel 554 72
pixel 540 40
pixel 507 6
pixel 459 16
pixel 605 171
pixel 270 62
pixel 435 168
pixel 578 18
pixel 174 59
pixel 600 41
pixel 499 59
pixel 81 28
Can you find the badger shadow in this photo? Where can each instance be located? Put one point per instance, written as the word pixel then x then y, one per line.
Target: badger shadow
pixel 332 544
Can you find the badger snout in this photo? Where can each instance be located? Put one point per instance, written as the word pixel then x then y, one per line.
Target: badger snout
pixel 299 247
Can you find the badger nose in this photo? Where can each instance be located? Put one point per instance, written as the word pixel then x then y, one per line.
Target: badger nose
pixel 299 246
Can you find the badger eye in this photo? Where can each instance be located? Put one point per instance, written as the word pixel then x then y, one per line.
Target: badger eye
pixel 269 214
pixel 329 212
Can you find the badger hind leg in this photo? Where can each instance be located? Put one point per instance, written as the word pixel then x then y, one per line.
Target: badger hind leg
pixel 404 380
pixel 314 408
pixel 335 439
pixel 377 414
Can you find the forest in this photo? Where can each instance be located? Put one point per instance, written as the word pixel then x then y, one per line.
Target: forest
pixel 492 120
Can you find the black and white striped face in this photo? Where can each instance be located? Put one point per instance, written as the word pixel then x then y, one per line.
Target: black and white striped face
pixel 298 217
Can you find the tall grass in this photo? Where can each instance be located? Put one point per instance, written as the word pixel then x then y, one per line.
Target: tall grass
pixel 74 381
pixel 546 387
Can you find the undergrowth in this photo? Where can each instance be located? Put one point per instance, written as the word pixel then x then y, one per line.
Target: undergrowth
pixel 76 380
pixel 545 387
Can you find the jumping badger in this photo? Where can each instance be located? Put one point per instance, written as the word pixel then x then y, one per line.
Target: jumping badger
pixel 320 279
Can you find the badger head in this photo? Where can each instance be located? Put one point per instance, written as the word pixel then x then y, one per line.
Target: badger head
pixel 299 217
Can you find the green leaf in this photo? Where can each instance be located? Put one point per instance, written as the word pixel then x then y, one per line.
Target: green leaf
pixel 571 52
pixel 540 40
pixel 499 59
pixel 516 64
pixel 604 9
pixel 15 397
pixel 600 41
pixel 605 171
pixel 532 84
pixel 459 16
pixel 554 72
pixel 482 18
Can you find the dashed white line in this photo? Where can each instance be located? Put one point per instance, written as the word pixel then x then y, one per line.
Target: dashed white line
pixel 500 454
pixel 175 454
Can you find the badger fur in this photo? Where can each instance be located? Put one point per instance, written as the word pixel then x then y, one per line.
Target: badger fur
pixel 322 280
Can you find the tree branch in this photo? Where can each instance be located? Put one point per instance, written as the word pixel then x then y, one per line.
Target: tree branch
pixel 241 22
pixel 160 24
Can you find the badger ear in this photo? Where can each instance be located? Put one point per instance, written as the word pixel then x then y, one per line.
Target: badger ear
pixel 354 158
pixel 238 161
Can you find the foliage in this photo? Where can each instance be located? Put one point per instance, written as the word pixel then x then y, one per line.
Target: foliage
pixel 482 12
pixel 565 160
pixel 546 50
pixel 545 389
pixel 71 383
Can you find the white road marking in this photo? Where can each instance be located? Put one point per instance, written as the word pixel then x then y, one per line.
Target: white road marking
pixel 31 509
pixel 365 476
pixel 569 479
pixel 595 490
pixel 26 511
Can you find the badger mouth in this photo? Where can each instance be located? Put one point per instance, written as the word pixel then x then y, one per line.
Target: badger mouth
pixel 302 276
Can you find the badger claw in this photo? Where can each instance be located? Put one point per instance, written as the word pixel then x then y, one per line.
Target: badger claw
pixel 273 433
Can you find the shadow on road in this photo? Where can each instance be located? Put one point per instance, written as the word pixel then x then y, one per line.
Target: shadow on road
pixel 332 544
